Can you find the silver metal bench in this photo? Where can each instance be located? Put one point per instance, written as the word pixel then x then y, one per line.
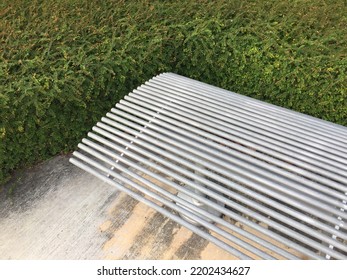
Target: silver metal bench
pixel 257 180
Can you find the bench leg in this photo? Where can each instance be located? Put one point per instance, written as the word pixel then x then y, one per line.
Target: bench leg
pixel 198 203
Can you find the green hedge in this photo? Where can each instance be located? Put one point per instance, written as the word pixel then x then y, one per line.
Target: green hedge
pixel 63 64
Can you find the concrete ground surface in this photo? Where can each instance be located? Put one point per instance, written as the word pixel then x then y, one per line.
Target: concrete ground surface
pixel 57 211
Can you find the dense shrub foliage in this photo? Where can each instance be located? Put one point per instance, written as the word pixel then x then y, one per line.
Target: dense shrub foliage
pixel 63 64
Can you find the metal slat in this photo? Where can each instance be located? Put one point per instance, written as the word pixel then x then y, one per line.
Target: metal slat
pixel 285 114
pixel 244 169
pixel 287 131
pixel 223 103
pixel 177 150
pixel 225 191
pixel 237 113
pixel 305 157
pixel 214 195
pixel 289 150
pixel 248 129
pixel 280 173
pixel 173 100
pixel 214 205
pixel 160 209
pixel 191 183
pixel 160 178
pixel 268 166
pixel 167 195
pixel 182 202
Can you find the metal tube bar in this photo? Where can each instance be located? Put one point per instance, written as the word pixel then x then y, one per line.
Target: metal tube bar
pixel 287 166
pixel 270 175
pixel 218 178
pixel 226 172
pixel 281 155
pixel 163 211
pixel 175 198
pixel 211 185
pixel 263 164
pixel 253 108
pixel 234 116
pixel 342 188
pixel 189 192
pixel 262 109
pixel 229 117
pixel 246 134
pixel 244 169
pixel 225 211
pixel 219 92
pixel 269 109
pixel 294 245
pixel 168 195
pixel 226 201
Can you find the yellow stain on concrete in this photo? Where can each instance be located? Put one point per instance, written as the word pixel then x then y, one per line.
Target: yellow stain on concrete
pixel 180 237
pixel 213 252
pixel 124 237
pixel 105 226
